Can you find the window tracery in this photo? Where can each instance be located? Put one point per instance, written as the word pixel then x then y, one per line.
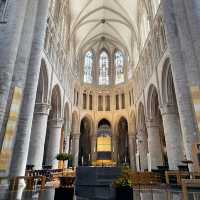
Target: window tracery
pixel 88 65
pixel 119 67
pixel 103 69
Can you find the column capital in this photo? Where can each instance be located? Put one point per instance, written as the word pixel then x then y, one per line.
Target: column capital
pixel 55 123
pixel 152 123
pixel 76 135
pixel 42 108
pixel 167 109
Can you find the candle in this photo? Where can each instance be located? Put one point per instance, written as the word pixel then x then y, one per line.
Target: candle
pixel 125 159
pixel 82 160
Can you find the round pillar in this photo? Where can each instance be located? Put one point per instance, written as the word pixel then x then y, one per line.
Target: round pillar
pixel 93 148
pixel 115 148
pixel 173 136
pixel 20 152
pixel 132 151
pixel 54 137
pixel 75 147
pixel 142 149
pixel 154 144
pixel 180 77
pixel 9 45
pixel 38 135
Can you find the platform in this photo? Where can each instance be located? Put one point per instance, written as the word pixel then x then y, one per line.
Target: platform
pixel 95 183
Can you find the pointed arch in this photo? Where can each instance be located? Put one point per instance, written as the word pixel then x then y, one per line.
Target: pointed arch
pixel 88 67
pixel 55 112
pixel 119 67
pixel 104 68
pixel 42 89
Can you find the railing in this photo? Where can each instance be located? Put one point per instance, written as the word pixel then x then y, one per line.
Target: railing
pixel 182 184
pixel 176 177
pixel 33 186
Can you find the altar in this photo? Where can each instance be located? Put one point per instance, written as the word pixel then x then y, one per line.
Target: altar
pixel 104 147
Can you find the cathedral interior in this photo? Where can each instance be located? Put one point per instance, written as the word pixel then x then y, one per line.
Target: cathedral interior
pixel 107 85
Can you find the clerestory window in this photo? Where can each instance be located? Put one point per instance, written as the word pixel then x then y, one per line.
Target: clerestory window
pixel 88 65
pixel 104 69
pixel 119 67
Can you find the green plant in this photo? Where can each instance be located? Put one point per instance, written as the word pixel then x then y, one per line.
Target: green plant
pixel 70 157
pixel 125 180
pixel 63 156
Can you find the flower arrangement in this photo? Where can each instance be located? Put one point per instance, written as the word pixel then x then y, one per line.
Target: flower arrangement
pixel 125 180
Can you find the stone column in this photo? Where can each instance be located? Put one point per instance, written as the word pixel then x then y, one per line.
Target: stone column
pixel 154 144
pixel 115 148
pixel 142 147
pixel 75 147
pixel 189 30
pixel 9 43
pixel 173 136
pixel 20 153
pixel 38 135
pixel 132 151
pixel 93 148
pixel 67 141
pixel 183 96
pixel 54 137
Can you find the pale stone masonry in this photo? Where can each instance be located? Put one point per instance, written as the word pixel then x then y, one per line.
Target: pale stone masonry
pixel 43 44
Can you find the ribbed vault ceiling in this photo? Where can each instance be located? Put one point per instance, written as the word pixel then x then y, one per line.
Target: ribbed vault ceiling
pixel 113 20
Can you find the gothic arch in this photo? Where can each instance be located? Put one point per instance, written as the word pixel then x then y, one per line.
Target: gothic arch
pixel 85 141
pixel 56 108
pixel 43 83
pixel 91 123
pixel 152 103
pixel 104 119
pixel 123 141
pixel 116 128
pixel 168 91
pixel 140 115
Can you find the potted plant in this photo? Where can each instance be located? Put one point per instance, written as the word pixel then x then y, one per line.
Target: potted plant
pixel 62 157
pixel 124 185
pixel 70 160
pixel 66 187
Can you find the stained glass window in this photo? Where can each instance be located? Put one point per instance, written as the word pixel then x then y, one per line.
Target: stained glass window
pixel 88 67
pixel 103 69
pixel 119 67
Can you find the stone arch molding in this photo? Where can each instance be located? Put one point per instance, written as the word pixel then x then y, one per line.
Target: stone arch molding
pixel 168 90
pixel 116 131
pixel 56 103
pixel 43 84
pixel 91 122
pixel 152 103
